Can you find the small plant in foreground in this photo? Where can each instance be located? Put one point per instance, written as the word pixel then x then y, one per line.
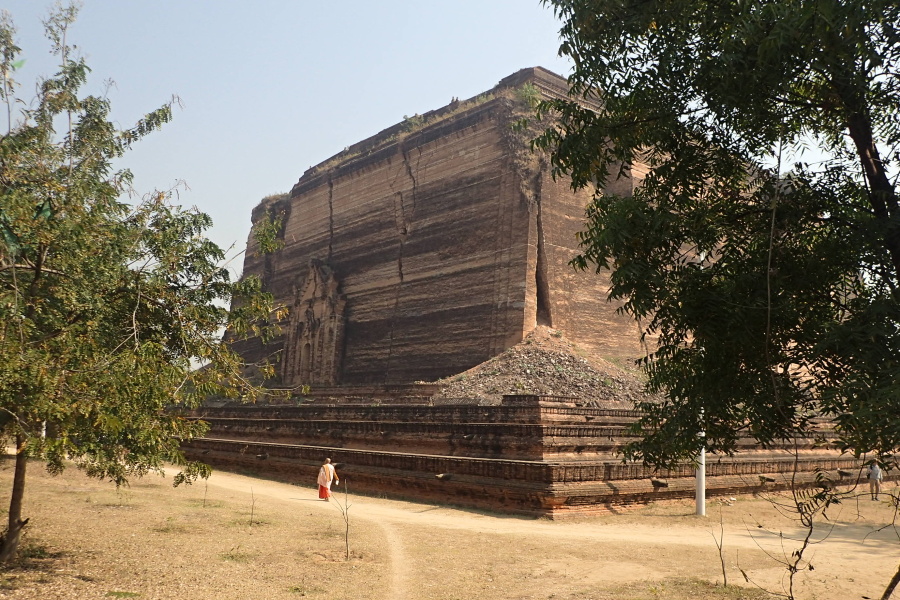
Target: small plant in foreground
pixel 235 555
pixel 27 551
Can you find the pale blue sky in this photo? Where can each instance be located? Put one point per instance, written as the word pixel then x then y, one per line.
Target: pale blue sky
pixel 271 87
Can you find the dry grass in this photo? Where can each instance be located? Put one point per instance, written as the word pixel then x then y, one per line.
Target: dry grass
pixel 86 540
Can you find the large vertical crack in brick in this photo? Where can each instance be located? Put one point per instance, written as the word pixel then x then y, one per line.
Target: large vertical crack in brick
pixel 542 285
pixel 330 216
pixel 412 175
pixel 461 181
pixel 402 218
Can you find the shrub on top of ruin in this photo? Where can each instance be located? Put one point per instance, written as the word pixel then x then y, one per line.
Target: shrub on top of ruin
pixel 413 123
pixel 528 94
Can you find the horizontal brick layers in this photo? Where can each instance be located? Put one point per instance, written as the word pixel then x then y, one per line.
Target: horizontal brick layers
pixel 450 243
pixel 427 242
pixel 376 411
pixel 510 441
pixel 487 440
pixel 539 455
pixel 577 300
pixel 521 487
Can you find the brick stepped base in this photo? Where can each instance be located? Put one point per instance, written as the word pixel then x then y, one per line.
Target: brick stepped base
pixel 535 488
pixel 458 413
pixel 533 455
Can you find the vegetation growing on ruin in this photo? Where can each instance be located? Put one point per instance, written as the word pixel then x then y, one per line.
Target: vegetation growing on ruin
pixel 524 97
pixel 523 126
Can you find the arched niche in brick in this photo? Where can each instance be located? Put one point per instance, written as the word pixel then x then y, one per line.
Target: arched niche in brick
pixel 314 336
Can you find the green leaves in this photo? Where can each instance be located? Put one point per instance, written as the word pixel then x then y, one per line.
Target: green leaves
pixel 769 297
pixel 106 309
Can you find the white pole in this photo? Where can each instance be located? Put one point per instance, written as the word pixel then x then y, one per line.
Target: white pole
pixel 701 472
pixel 701 482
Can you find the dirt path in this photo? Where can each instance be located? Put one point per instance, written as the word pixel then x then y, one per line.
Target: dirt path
pixel 399 565
pixel 240 538
pixel 851 560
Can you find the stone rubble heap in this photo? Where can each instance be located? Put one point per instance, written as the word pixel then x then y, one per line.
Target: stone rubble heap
pixel 545 363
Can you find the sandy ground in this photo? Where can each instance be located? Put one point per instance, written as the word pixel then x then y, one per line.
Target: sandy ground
pixel 151 541
pixel 846 556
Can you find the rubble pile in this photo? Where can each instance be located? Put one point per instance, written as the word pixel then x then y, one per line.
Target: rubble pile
pixel 546 364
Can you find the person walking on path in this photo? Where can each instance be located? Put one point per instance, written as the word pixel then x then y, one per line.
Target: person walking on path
pixel 875 476
pixel 327 474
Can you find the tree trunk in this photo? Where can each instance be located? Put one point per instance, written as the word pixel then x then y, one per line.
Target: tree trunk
pixel 882 196
pixel 890 588
pixel 9 544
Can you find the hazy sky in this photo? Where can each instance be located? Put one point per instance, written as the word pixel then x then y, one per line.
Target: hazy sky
pixel 271 87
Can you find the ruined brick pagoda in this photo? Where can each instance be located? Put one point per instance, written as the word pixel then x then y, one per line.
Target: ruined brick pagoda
pixel 431 247
pixel 417 254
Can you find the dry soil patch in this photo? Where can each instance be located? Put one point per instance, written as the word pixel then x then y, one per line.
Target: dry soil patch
pixel 242 538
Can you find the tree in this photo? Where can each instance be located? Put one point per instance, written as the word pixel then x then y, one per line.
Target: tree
pixel 106 308
pixel 771 289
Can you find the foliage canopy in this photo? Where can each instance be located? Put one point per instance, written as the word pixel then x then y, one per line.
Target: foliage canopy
pixel 771 289
pixel 106 307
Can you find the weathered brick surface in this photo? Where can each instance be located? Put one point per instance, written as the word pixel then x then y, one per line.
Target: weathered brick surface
pixel 449 242
pixel 417 254
pixel 524 487
pixel 531 455
pixel 423 413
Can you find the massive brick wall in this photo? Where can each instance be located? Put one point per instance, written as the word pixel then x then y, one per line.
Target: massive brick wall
pixel 577 302
pixel 538 455
pixel 447 241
